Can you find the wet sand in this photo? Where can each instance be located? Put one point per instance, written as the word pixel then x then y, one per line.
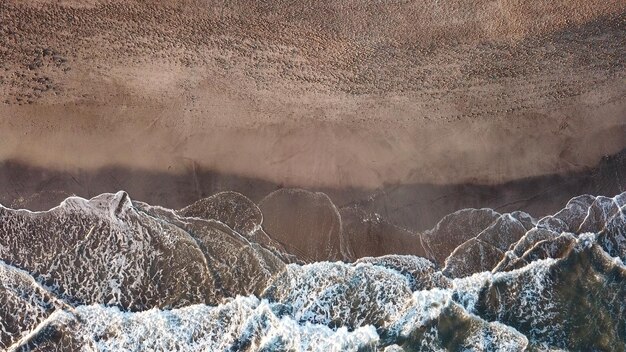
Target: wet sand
pixel 415 206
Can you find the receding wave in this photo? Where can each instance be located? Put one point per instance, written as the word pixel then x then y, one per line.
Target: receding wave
pixel 298 273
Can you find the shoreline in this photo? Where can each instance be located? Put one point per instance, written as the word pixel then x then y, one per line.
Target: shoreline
pixel 412 206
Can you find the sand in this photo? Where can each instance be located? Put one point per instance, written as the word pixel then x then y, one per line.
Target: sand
pixel 324 94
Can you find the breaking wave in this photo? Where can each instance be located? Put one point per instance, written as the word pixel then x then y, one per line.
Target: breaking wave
pixel 297 273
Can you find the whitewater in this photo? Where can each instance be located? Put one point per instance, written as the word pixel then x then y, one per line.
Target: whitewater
pixel 113 274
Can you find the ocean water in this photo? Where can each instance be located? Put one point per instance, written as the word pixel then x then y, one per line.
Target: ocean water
pixel 112 274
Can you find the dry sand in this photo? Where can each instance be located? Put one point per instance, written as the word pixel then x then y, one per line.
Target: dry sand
pixel 315 94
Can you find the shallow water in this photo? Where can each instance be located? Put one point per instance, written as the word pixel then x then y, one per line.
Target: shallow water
pixel 114 274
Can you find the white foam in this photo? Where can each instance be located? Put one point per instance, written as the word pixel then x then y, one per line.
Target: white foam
pixel 242 322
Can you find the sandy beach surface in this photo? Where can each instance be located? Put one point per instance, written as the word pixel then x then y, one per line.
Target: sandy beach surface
pixel 354 94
